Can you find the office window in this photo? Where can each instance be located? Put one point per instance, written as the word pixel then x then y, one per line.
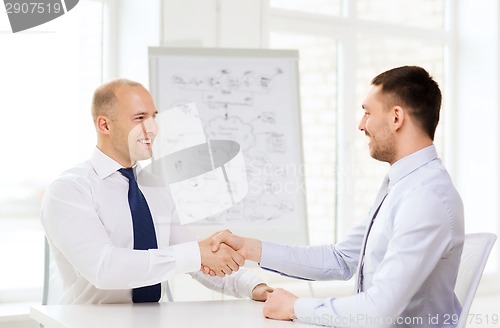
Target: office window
pixel 318 77
pixel 48 75
pixel 325 7
pixel 365 40
pixel 418 13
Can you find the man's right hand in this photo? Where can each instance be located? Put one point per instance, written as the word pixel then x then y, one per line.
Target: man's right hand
pixel 224 261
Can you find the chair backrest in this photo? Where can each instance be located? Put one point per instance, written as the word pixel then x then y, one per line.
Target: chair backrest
pixel 477 247
pixel 46 273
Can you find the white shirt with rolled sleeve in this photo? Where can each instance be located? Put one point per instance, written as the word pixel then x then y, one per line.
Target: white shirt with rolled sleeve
pixel 88 224
pixel 412 255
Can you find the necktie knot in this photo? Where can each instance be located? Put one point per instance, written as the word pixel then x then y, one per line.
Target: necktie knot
pixel 128 173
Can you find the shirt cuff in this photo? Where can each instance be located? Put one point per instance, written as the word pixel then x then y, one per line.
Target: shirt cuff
pixel 187 256
pixel 247 283
pixel 271 254
pixel 305 309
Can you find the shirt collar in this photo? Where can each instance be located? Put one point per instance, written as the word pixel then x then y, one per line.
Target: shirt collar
pixel 103 165
pixel 410 163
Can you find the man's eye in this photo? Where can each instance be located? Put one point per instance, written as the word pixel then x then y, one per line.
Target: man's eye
pixel 139 118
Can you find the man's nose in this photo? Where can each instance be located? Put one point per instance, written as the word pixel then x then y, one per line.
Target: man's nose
pixel 150 127
pixel 361 125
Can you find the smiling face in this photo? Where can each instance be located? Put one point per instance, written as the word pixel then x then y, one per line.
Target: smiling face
pixel 376 124
pixel 130 132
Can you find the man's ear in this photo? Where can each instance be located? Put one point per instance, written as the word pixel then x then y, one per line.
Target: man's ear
pixel 398 117
pixel 103 124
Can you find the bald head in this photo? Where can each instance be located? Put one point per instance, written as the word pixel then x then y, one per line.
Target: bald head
pixel 105 99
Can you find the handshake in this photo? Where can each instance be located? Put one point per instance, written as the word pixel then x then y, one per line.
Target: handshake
pixel 224 253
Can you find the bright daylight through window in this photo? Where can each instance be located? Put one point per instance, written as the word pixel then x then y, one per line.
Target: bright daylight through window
pixel 50 72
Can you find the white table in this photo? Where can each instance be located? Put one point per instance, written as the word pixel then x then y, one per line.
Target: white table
pixel 207 314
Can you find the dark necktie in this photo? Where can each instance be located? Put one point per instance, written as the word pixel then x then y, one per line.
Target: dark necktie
pixel 144 234
pixel 382 194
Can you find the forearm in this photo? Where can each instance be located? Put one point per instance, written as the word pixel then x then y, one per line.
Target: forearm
pixel 119 268
pixel 307 262
pixel 252 250
pixel 239 284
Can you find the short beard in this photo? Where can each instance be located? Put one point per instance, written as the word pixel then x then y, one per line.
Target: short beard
pixel 386 150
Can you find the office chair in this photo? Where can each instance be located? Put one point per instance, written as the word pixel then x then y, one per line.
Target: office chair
pixel 477 247
pixel 46 272
pixel 46 269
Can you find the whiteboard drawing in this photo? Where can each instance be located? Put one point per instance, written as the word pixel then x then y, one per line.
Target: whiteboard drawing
pixel 253 102
pixel 227 87
pixel 205 176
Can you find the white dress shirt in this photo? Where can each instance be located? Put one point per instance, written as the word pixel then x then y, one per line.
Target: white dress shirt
pixel 87 220
pixel 412 255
